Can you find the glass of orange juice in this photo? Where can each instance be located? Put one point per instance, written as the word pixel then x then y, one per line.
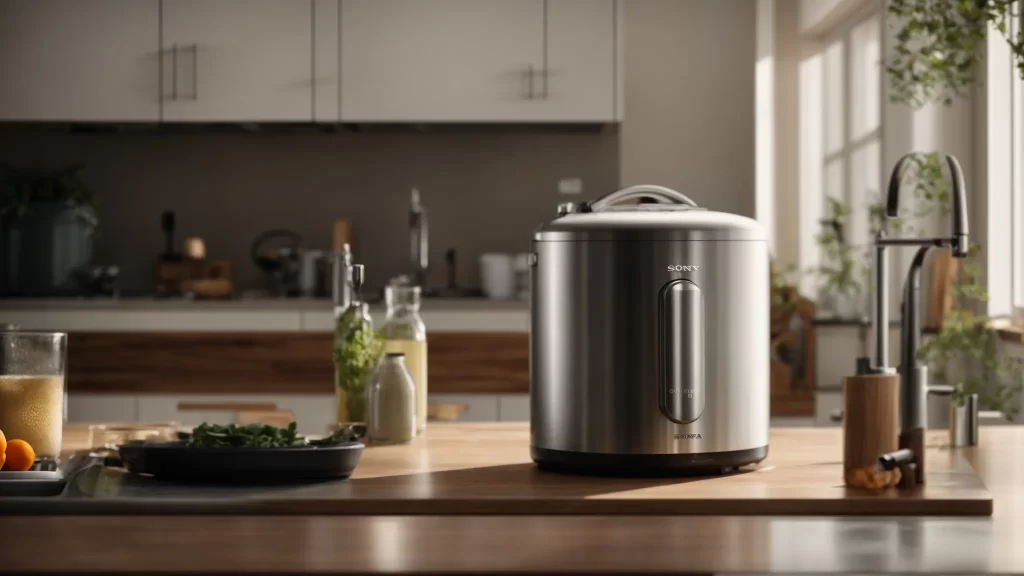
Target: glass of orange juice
pixel 32 389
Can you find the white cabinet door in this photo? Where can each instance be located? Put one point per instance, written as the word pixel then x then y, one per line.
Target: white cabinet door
pixel 440 61
pixel 69 60
pixel 237 60
pixel 514 408
pixel 94 408
pixel 313 412
pixel 579 82
pixel 479 407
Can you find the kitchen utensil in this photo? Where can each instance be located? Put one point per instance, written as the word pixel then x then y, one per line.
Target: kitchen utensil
pixel 276 252
pixel 870 429
pixel 497 275
pixel 309 273
pixel 341 234
pixel 649 330
pixel 419 240
pixel 167 225
pixel 180 462
pixel 341 270
pixel 32 389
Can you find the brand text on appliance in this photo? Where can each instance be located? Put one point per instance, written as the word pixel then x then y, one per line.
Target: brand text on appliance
pixel 678 268
pixel 688 437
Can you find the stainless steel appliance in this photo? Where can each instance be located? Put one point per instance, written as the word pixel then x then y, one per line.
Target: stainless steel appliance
pixel 649 337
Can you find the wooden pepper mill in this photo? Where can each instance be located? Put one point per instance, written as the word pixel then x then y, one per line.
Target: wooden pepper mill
pixel 870 429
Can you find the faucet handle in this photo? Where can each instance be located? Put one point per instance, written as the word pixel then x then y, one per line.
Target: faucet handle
pixel 357 276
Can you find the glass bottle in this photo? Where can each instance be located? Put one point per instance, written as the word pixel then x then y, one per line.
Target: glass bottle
pixel 357 348
pixel 403 331
pixel 391 403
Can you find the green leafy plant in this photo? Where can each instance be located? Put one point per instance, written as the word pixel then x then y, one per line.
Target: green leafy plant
pixel 248 436
pixel 208 435
pixel 939 44
pixel 357 350
pixel 841 271
pixel 23 189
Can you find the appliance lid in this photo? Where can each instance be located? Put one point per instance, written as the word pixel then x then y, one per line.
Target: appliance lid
pixel 673 217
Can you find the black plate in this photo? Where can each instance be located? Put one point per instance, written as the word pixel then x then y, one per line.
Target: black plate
pixel 177 461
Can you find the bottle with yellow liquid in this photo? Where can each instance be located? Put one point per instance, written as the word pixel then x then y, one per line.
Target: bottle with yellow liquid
pixel 403 331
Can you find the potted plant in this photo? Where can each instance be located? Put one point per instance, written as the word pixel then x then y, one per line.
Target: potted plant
pixel 840 272
pixel 47 221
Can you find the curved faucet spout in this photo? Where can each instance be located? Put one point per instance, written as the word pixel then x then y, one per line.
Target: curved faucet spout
pixel 957 199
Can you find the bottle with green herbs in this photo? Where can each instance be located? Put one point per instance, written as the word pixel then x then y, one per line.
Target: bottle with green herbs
pixel 357 348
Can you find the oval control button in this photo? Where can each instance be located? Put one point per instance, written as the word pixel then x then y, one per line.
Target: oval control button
pixel 681 351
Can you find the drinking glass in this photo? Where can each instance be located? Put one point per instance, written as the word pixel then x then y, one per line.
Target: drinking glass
pixel 32 389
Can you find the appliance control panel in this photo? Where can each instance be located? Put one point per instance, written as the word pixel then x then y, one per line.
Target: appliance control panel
pixel 681 351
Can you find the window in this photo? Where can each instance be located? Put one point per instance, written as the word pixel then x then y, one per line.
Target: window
pixel 1016 196
pixel 841 132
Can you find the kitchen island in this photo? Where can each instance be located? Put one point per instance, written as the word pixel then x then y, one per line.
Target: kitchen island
pixel 451 538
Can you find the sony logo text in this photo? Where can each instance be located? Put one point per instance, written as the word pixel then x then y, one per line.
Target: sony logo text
pixel 678 268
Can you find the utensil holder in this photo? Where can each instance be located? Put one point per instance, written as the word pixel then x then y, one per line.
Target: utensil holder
pixel 870 429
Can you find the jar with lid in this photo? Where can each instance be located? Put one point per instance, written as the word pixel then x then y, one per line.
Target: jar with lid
pixel 357 349
pixel 403 331
pixel 391 403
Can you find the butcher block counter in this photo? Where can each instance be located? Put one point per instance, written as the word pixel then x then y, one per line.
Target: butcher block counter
pixel 465 498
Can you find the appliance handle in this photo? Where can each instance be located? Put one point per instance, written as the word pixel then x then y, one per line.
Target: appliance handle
pixel 660 193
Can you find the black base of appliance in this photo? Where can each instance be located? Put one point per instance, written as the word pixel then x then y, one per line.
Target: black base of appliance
pixel 645 464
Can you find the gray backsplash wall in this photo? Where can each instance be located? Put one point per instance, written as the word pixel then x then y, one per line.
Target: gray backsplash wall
pixel 484 192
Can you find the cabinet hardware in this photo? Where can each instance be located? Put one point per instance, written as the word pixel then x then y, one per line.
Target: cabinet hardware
pixel 529 82
pixel 174 72
pixel 195 71
pixel 544 78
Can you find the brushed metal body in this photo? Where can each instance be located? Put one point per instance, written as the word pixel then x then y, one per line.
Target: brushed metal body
pixel 594 342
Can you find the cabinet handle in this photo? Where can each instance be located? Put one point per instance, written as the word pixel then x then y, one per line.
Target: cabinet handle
pixel 174 72
pixel 195 71
pixel 529 82
pixel 544 93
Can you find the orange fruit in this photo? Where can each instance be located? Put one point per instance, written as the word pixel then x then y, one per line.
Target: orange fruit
pixel 3 444
pixel 3 458
pixel 20 456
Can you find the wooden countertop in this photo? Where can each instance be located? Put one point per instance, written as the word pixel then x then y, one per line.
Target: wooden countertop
pixel 275 544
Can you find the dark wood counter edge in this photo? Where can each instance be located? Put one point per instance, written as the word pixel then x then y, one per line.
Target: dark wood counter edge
pixel 968 507
pixel 520 544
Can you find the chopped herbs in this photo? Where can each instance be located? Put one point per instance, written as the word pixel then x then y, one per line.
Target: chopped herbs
pixel 248 436
pixel 262 436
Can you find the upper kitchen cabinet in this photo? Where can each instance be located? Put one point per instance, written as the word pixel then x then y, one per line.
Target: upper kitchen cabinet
pixel 440 61
pixel 64 60
pixel 237 60
pixel 580 80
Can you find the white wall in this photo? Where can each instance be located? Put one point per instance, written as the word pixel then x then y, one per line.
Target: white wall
pixel 689 99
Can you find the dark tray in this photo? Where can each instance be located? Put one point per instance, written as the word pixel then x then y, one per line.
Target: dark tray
pixel 177 461
pixel 32 483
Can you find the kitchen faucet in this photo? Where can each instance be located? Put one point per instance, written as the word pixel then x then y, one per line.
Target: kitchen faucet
pixel 913 376
pixel 419 242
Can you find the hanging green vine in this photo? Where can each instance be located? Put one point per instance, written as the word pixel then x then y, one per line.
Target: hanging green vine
pixel 939 44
